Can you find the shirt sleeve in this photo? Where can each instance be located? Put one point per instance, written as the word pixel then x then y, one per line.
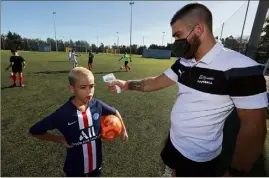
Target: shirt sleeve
pixel 106 109
pixel 48 123
pixel 173 71
pixel 247 86
pixel 11 59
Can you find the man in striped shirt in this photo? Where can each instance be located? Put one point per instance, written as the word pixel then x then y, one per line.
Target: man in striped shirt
pixel 212 82
pixel 78 120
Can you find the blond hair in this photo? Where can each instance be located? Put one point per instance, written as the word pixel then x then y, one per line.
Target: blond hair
pixel 78 72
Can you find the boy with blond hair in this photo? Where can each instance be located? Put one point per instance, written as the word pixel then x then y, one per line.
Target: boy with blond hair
pixel 78 120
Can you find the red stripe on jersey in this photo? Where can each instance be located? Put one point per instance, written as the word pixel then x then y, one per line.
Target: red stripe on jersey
pixel 85 120
pixel 90 161
pixel 89 146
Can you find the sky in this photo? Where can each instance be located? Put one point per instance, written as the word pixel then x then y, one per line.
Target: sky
pixel 87 20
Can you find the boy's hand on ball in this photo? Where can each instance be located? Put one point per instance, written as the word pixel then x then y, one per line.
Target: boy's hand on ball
pixel 121 83
pixel 124 136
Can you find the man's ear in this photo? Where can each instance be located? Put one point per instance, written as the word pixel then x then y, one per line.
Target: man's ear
pixel 200 29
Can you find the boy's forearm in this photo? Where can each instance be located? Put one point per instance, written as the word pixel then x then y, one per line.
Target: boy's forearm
pixel 50 137
pixel 119 116
pixel 9 66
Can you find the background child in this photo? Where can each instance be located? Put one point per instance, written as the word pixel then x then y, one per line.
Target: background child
pixel 78 120
pixel 126 61
pixel 90 61
pixel 74 59
pixel 17 63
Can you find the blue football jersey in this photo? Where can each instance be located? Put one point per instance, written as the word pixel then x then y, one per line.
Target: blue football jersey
pixel 81 130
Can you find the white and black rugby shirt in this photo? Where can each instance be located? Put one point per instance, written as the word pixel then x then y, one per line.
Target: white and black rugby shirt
pixel 208 92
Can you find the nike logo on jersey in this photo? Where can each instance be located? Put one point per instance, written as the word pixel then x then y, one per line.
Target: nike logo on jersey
pixel 71 123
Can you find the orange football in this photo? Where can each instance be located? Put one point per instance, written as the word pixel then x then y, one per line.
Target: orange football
pixel 111 127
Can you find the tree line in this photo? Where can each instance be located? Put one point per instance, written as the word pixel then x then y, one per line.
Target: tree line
pixel 15 40
pixel 12 39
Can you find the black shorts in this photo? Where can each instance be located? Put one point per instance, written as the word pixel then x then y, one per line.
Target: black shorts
pixel 16 69
pixel 95 173
pixel 185 167
pixel 126 63
pixel 90 61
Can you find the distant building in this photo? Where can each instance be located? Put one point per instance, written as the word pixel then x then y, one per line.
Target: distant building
pixel 156 53
pixel 44 48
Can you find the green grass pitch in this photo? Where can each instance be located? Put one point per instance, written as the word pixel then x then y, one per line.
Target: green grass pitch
pixel 146 115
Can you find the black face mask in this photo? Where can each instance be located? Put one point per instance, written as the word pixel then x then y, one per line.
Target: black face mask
pixel 181 46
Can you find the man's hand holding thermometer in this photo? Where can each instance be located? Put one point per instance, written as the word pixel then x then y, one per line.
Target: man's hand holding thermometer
pixel 116 85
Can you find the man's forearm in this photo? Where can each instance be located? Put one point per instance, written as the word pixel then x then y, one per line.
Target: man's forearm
pixel 144 85
pixel 249 146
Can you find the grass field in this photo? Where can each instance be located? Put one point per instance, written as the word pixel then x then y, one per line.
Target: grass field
pixel 146 116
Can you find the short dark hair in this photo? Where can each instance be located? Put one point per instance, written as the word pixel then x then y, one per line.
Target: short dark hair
pixel 13 50
pixel 197 10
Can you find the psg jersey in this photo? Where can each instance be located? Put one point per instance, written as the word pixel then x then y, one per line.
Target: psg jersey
pixel 81 130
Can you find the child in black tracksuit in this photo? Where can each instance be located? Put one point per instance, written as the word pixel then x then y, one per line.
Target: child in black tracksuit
pixel 90 61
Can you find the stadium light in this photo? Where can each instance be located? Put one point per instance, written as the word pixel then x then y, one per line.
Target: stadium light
pixel 118 48
pixel 55 30
pixel 131 4
pixel 163 37
pixel 117 39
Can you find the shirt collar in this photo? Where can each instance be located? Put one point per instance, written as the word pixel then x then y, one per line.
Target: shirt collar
pixel 211 55
pixel 90 103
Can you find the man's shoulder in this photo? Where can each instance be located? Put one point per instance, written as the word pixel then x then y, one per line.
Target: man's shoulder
pixel 234 59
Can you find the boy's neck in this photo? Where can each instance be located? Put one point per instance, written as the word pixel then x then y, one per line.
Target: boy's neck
pixel 80 105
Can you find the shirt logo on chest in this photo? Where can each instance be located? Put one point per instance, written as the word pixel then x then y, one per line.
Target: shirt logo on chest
pixel 71 123
pixel 180 72
pixel 205 80
pixel 86 134
pixel 96 116
pixel 87 131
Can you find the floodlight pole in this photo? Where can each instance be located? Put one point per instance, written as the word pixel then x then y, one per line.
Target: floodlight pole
pixel 55 30
pixel 244 24
pixel 131 4
pixel 163 38
pixel 118 42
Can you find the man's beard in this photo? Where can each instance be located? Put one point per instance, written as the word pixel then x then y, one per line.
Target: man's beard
pixel 194 48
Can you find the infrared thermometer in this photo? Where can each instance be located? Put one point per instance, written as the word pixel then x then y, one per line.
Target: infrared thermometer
pixel 111 78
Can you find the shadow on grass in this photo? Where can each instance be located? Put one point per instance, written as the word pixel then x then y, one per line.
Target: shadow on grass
pixel 11 86
pixel 116 71
pixel 231 129
pixel 53 72
pixel 3 88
